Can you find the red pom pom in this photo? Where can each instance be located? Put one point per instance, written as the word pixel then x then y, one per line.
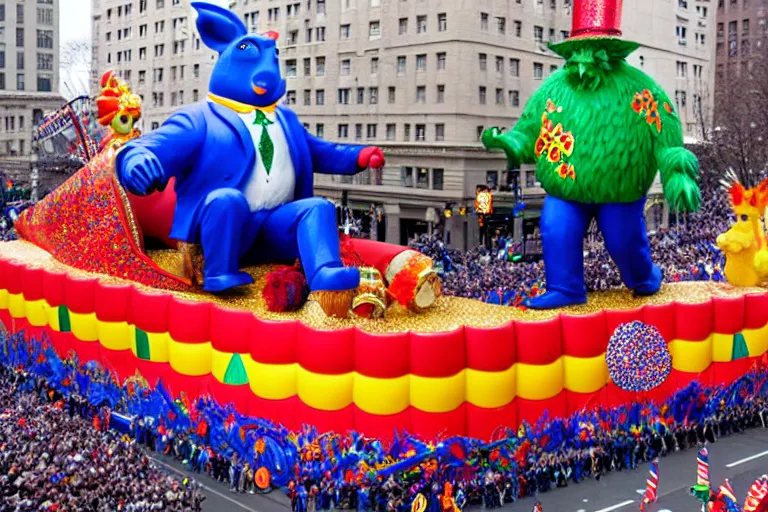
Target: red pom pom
pixel 286 290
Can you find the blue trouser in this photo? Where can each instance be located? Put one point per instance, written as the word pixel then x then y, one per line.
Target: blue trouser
pixel 232 235
pixel 563 227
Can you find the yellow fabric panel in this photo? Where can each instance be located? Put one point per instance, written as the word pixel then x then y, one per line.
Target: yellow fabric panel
pixel 115 335
pixel 691 356
pixel 37 313
pixel 539 382
pixel 53 316
pixel 491 389
pixel 756 340
pixel 325 392
pixel 17 305
pixel 271 381
pixel 722 347
pixel 85 326
pixel 381 396
pixel 585 374
pixel 159 343
pixel 4 298
pixel 191 359
pixel 431 394
pixel 219 363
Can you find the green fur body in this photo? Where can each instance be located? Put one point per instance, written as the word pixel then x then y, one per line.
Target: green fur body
pixel 615 149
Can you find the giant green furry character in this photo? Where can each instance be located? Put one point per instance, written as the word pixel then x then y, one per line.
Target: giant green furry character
pixel 598 130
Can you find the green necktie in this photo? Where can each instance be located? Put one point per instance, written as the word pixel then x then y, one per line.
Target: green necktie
pixel 266 147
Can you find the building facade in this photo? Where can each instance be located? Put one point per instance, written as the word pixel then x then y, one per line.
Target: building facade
pixel 420 78
pixel 742 26
pixel 29 78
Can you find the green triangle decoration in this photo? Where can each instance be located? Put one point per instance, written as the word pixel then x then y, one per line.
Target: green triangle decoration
pixel 740 350
pixel 142 345
pixel 235 374
pixel 64 323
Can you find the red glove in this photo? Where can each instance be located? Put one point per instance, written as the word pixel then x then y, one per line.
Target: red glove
pixel 370 156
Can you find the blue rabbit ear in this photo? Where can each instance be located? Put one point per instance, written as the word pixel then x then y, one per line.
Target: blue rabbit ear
pixel 218 27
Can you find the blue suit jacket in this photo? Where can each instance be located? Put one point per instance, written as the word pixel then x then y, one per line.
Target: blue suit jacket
pixel 206 146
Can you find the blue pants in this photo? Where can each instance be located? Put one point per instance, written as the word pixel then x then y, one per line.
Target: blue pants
pixel 563 227
pixel 233 236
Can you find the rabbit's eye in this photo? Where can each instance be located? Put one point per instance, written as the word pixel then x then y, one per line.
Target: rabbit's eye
pixel 243 46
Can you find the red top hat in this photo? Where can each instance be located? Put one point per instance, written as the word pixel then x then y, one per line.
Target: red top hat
pixel 596 22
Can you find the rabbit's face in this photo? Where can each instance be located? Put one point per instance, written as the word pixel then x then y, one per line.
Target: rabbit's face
pixel 248 71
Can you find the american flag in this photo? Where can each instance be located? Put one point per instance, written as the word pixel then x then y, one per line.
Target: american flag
pixel 757 496
pixel 702 472
pixel 652 485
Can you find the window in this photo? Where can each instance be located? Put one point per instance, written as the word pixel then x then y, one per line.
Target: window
pixel 745 28
pixel 273 14
pixel 499 96
pixel 501 25
pixel 320 97
pixel 421 62
pixel 683 4
pixel 437 176
pixel 682 69
pixel 320 6
pixel 20 14
pixel 518 28
pixel 391 131
pixel 483 61
pixel 195 95
pixel 745 49
pixel 442 22
pixel 159 27
pixel 159 48
pixel 44 16
pixel 142 31
pixel 720 29
pixel 174 99
pixel 401 65
pixel 439 132
pixel 158 75
pixel 370 131
pixel 402 26
pixel 391 95
pixel 697 70
pixel 374 65
pixel 701 11
pixel 290 98
pixel 484 21
pixel 142 76
pixel 492 179
pixel 481 95
pixel 143 53
pixel 360 95
pixel 406 131
pixel 440 94
pixel 406 177
pixel 373 95
pixel 552 69
pixel 551 35
pixel 344 31
pixel 45 61
pixel 680 99
pixel 320 66
pixel 514 67
pixel 290 68
pixel 514 98
pixel 530 179
pixel 421 94
pixel 178 47
pixel 441 61
pixel 307 66
pixel 20 37
pixel 374 30
pixel 344 96
pixel 293 37
pixel 320 130
pixel 20 82
pixel 421 24
pixel 2 58
pixel 343 131
pixel 358 131
pixel 538 33
pixel 682 34
pixel 196 70
pixel 499 65
pixel 2 13
pixel 345 67
pixel 538 70
pixel 700 39
pixel 422 174
pixel 20 60
pixel 43 84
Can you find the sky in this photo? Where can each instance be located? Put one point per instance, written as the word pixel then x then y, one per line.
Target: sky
pixel 74 20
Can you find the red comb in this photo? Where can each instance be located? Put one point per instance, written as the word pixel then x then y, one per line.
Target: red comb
pixel 272 35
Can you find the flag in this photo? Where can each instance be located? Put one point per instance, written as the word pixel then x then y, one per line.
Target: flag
pixel 537 507
pixel 702 472
pixel 651 485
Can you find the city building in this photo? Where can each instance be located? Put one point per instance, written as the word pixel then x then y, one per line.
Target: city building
pixel 29 78
pixel 741 29
pixel 420 78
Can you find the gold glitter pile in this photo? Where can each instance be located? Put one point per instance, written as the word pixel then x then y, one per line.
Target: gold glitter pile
pixel 448 314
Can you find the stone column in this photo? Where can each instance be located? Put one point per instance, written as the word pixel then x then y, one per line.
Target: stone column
pixel 392 218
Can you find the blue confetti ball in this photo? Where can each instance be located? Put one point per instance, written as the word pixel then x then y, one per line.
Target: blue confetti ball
pixel 638 357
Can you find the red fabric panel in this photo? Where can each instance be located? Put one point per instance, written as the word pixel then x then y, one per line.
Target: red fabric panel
pixel 613 319
pixel 189 322
pixel 482 423
pixel 438 354
pixel 576 401
pixel 175 383
pixel 326 352
pixel 584 335
pixel 239 396
pixel 693 322
pixel 538 342
pixel 490 350
pixel 756 310
pixel 725 373
pixel 13 276
pixel 429 424
pixel 281 412
pixel 123 362
pixel 376 254
pixel 80 294
pixel 149 311
pixel 615 396
pixel 87 351
pixel 381 427
pixel 3 271
pixel 729 314
pixel 663 318
pixel 153 371
pixel 34 332
pixel 326 421
pixel 273 342
pixel 32 283
pixel 231 330
pixel 112 302
pixel 18 325
pixel 63 342
pixel 383 356
pixel 532 410
pixel 53 287
pixel 5 317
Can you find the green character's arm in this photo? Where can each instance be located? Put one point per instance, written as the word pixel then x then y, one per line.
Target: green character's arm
pixel 519 143
pixel 679 167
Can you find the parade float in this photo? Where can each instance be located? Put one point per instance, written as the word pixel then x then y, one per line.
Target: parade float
pixel 347 334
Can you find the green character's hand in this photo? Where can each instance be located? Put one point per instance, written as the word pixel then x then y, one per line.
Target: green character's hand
pixel 682 193
pixel 493 138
